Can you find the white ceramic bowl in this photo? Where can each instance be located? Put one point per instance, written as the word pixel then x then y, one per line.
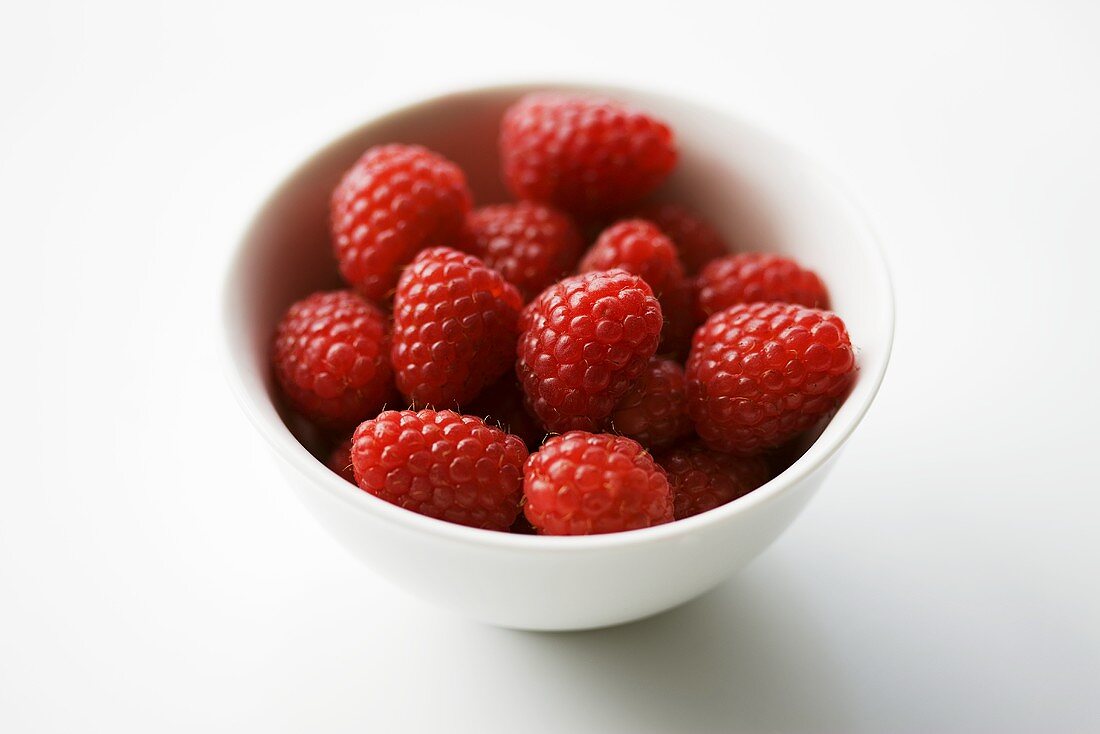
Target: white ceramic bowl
pixel 756 189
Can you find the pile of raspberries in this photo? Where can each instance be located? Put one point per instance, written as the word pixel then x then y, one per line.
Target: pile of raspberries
pixel 554 385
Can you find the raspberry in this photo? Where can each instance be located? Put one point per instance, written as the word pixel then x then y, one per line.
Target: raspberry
pixel 340 461
pixel 761 373
pixel 395 201
pixel 441 464
pixel 585 483
pixel 702 479
pixel 501 404
pixel 531 245
pixel 697 242
pixel 654 411
pixel 331 358
pixel 757 277
pixel 585 340
pixel 588 155
pixel 455 328
pixel 678 306
pixel 638 247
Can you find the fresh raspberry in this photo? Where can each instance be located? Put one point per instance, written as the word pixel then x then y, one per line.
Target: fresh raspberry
pixel 395 201
pixel 441 464
pixel 340 461
pixel 639 247
pixel 588 155
pixel 454 328
pixel 681 319
pixel 757 277
pixel 697 241
pixel 331 357
pixel 501 405
pixel 760 373
pixel 654 411
pixel 585 483
pixel 531 245
pixel 702 479
pixel 585 340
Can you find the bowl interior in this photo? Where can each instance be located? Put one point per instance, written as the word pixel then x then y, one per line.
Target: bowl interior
pixel 757 191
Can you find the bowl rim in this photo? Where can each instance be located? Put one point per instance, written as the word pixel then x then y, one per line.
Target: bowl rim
pixel 262 414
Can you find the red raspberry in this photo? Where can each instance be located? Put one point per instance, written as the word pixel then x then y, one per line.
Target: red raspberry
pixel 531 245
pixel 588 155
pixel 585 483
pixel 697 242
pixel 441 464
pixel 760 373
pixel 454 328
pixel 654 411
pixel 702 479
pixel 681 319
pixel 757 277
pixel 501 404
pixel 639 247
pixel 331 357
pixel 396 200
pixel 585 340
pixel 340 461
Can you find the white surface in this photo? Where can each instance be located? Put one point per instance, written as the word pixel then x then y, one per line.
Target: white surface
pixel 156 574
pixel 535 583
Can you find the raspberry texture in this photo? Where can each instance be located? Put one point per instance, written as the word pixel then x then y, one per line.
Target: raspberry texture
pixel 588 155
pixel 395 201
pixel 759 374
pixel 639 247
pixel 757 277
pixel 681 318
pixel 501 405
pixel 455 328
pixel 441 464
pixel 697 241
pixel 585 483
pixel 654 411
pixel 585 340
pixel 331 359
pixel 702 479
pixel 340 461
pixel 532 245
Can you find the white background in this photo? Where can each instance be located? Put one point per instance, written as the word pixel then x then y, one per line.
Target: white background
pixel 155 574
